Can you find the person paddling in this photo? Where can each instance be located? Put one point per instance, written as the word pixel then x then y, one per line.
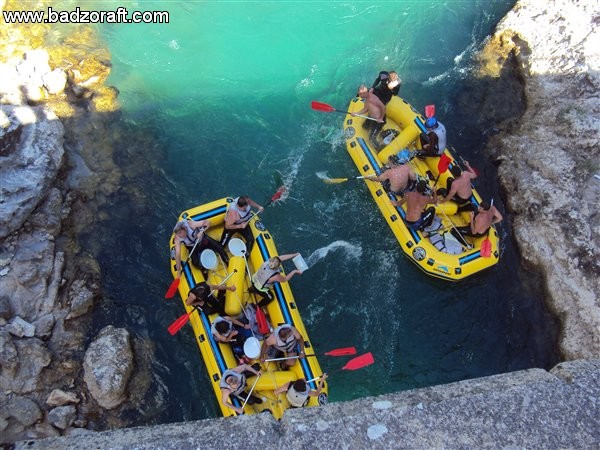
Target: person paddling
pixel 461 188
pixel 481 220
pixel 298 392
pixel 233 382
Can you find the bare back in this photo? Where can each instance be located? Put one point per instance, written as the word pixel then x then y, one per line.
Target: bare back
pixel 415 204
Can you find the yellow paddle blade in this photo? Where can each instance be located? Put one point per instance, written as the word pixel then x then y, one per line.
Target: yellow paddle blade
pixel 335 180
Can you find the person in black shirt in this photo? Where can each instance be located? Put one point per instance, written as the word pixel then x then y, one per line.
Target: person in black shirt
pixel 201 297
pixel 386 85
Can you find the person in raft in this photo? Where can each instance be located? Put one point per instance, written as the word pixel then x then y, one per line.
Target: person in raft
pixel 386 85
pixel 229 330
pixel 189 232
pixel 417 217
pixel 434 142
pixel 481 221
pixel 398 179
pixel 376 110
pixel 233 382
pixel 201 297
pixel 237 218
pixel 460 188
pixel 298 392
pixel 285 340
pixel 268 274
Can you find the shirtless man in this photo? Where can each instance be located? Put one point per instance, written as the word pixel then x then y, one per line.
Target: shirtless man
pixel 416 215
pixel 461 190
pixel 397 177
pixel 373 105
pixel 481 220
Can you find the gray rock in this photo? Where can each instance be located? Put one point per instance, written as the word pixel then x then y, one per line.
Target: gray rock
pixel 80 298
pixel 108 365
pixel 33 356
pixel 62 416
pixel 20 328
pixel 30 163
pixel 60 398
pixel 5 308
pixel 9 357
pixel 24 410
pixel 44 326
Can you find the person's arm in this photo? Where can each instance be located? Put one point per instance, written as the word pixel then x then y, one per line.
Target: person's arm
pixel 282 389
pixel 191 298
pixel 267 343
pixel 221 287
pixel 451 193
pixel 472 222
pixel 225 393
pixel 300 341
pixel 319 387
pixel 399 202
pixel 251 369
pixel 497 217
pixel 255 205
pixel 232 218
pixel 236 322
pixel 178 257
pixel 470 170
pixel 281 279
pixel 288 256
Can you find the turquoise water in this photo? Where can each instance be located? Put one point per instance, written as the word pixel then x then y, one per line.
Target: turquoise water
pixel 217 103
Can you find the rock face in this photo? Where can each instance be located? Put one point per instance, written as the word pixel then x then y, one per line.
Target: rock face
pixel 32 144
pixel 108 366
pixel 548 158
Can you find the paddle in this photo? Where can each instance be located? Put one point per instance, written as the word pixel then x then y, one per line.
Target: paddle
pixel 342 351
pixel 182 320
pixel 429 111
pixel 442 166
pixel 277 195
pixel 175 283
pixel 354 364
pixel 342 180
pixel 252 389
pixel 324 107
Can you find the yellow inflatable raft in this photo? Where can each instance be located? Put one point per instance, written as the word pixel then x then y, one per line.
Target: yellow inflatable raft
pixel 426 252
pixel 219 357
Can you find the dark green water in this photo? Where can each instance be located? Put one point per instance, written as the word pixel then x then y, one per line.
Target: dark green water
pixel 217 103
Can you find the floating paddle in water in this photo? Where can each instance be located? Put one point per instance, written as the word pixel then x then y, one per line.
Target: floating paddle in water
pixel 342 180
pixel 342 351
pixel 277 195
pixel 359 362
pixel 324 107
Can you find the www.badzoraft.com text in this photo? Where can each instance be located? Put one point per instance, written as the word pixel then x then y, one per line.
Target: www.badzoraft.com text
pixel 78 15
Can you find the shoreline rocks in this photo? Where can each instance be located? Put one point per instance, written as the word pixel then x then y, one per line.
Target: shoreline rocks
pixel 548 157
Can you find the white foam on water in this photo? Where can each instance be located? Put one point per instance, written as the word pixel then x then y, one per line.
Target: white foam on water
pixel 353 251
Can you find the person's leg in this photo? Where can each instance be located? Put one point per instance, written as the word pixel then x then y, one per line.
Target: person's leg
pixel 225 236
pixel 247 233
pixel 266 296
pixel 214 245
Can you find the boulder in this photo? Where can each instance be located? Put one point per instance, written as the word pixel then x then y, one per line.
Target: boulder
pixel 60 398
pixel 55 81
pixel 5 308
pixel 62 416
pixel 24 410
pixel 31 143
pixel 20 328
pixel 9 357
pixel 32 357
pixel 80 298
pixel 44 326
pixel 108 365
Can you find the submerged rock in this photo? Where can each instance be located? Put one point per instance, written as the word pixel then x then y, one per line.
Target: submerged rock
pixel 108 365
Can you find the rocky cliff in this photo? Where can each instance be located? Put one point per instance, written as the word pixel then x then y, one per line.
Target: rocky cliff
pixel 547 157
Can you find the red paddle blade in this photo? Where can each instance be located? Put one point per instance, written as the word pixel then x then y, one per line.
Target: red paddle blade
pixel 429 111
pixel 318 106
pixel 344 351
pixel 173 288
pixel 486 248
pixel 278 194
pixel 443 163
pixel 261 321
pixel 180 322
pixel 359 362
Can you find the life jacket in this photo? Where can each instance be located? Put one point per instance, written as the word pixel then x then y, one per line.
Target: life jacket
pixel 213 328
pixel 191 234
pixel 297 399
pixel 288 344
pixel 262 276
pixel 239 376
pixel 440 131
pixel 243 213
